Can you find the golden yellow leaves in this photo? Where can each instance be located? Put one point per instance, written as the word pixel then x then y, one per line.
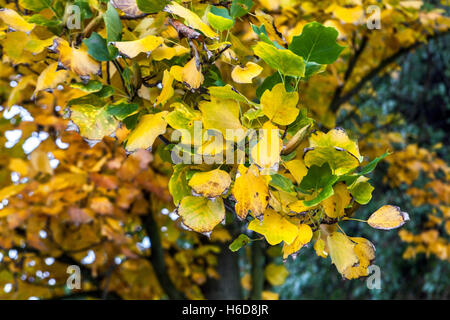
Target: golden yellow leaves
pixel 201 214
pixel 247 73
pixel 334 206
pixel 220 114
pixel 251 192
pixel 274 227
pixel 335 148
pixel 365 251
pixel 280 106
pixel 77 60
pixel 11 190
pixel 266 153
pixel 131 49
pixel 211 183
pixel 15 21
pixel 191 74
pixel 342 251
pixel 50 78
pixel 165 52
pixel 191 18
pixel 351 256
pixel 388 217
pixel 304 236
pixel 167 89
pixel 148 129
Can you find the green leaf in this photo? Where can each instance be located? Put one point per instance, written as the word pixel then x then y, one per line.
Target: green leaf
pixel 281 183
pixel 151 6
pixel 240 8
pixel 326 192
pixel 317 43
pixel 122 110
pixel 85 9
pixel 312 68
pixel 35 5
pixel 317 178
pixel 241 241
pixel 91 86
pixel 112 23
pixel 219 19
pixel 372 164
pixel 263 36
pixel 283 60
pixel 361 190
pixel 274 79
pixel 95 98
pixel 98 48
pixel 42 21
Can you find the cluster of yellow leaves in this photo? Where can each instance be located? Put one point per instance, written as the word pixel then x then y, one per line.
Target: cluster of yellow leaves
pixel 405 168
pixel 171 69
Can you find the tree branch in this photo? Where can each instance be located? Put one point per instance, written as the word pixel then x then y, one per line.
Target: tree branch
pixel 258 260
pixel 157 258
pixel 338 100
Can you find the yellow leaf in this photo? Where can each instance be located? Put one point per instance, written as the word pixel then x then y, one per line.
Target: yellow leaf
pixel 15 21
pixel 11 190
pixel 40 162
pixel 342 251
pixel 192 75
pixel 50 78
pixel 131 49
pixel 77 60
pixel 365 252
pixel 275 228
pixel 250 191
pixel 220 114
pixel 280 106
pixel 191 18
pixel 36 45
pixel 266 153
pixel 211 183
pixel 299 206
pixel 177 72
pixel 334 147
pixel 165 52
pixel 297 168
pixel 388 217
pixel 18 165
pixel 303 237
pixel 167 89
pixel 319 247
pixel 201 214
pixel 276 274
pixel 247 73
pixel 334 206
pixel 150 126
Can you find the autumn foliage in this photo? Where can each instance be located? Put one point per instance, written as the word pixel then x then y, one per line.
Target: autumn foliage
pixel 106 99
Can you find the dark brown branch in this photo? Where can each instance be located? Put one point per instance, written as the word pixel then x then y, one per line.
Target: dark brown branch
pixel 339 100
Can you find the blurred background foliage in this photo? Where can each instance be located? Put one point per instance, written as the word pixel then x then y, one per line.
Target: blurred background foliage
pixel 418 94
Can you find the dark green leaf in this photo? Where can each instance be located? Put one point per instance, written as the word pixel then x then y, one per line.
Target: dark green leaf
pixel 122 110
pixel 317 43
pixel 113 24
